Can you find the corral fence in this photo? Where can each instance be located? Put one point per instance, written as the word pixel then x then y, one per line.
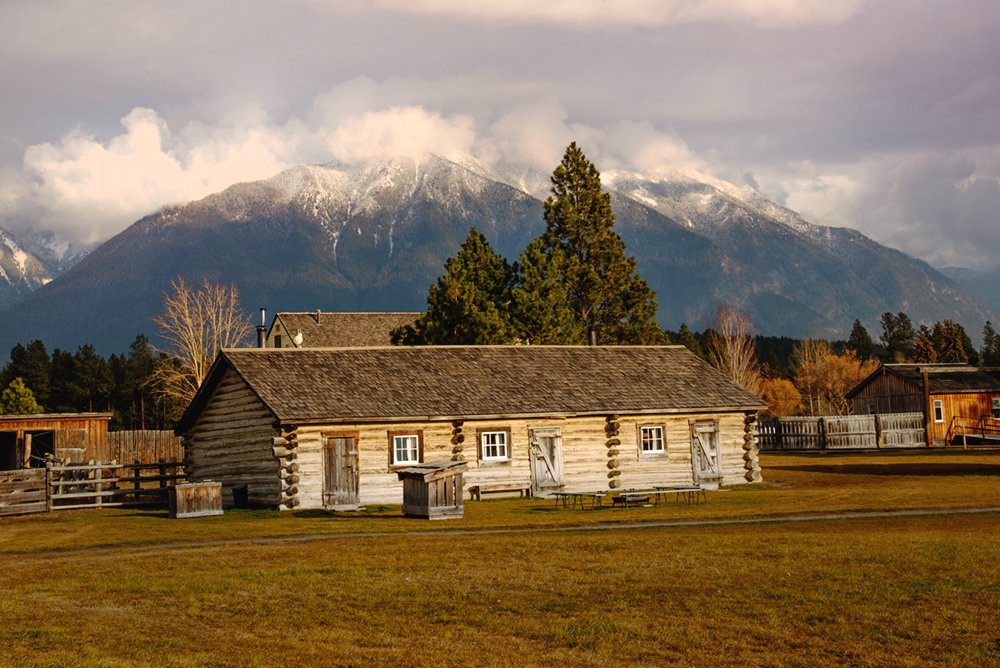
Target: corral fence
pixel 23 491
pixel 145 445
pixel 842 432
pixel 93 485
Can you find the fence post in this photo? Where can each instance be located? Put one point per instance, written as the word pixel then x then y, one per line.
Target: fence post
pixel 878 431
pixel 48 486
pixel 163 481
pixel 98 476
pixel 821 427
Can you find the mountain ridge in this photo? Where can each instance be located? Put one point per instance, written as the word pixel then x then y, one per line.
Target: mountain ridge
pixel 374 236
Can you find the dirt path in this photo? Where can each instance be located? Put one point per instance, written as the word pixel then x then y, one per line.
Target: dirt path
pixel 59 553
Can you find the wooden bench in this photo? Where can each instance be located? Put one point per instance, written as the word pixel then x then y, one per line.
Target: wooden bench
pixel 476 491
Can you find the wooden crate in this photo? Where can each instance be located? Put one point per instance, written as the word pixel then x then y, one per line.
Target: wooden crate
pixel 196 499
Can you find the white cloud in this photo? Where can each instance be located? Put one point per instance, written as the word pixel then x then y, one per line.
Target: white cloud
pixel 408 132
pixel 644 13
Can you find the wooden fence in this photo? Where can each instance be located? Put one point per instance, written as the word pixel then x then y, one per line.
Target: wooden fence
pixel 833 432
pixel 144 446
pixel 108 485
pixel 22 491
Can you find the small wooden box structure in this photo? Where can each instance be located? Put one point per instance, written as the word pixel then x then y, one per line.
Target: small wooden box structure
pixel 434 490
pixel 195 499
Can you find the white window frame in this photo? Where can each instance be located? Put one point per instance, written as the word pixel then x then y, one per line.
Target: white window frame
pixel 499 441
pixel 938 411
pixel 995 408
pixel 648 435
pixel 400 445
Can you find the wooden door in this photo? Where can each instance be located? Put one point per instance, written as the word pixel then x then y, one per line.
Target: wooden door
pixel 706 460
pixel 546 459
pixel 340 473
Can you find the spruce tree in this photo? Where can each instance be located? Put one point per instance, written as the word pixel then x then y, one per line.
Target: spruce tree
pixel 686 338
pixel 924 350
pixel 950 341
pixel 990 353
pixel 469 304
pixel 860 341
pixel 602 289
pixel 31 364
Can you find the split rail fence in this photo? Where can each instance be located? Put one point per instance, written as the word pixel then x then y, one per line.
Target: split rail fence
pixel 842 432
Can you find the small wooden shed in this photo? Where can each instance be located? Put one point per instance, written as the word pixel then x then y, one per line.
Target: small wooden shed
pixel 434 491
pixel 954 399
pixel 72 437
pixel 330 428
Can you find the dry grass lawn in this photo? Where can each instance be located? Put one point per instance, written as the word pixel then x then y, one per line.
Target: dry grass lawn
pixel 880 592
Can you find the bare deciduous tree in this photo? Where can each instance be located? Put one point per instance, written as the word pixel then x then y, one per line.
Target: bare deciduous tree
pixel 197 323
pixel 824 378
pixel 730 348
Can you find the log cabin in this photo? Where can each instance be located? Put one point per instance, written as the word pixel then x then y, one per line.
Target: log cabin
pixel 329 428
pixel 956 400
pixel 325 329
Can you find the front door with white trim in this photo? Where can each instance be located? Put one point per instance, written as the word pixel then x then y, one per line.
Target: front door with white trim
pixel 546 459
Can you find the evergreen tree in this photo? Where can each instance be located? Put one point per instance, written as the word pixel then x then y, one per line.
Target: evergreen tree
pixel 540 303
pixel 470 303
pixel 18 399
pixel 133 395
pixel 990 353
pixel 93 381
pixel 897 336
pixel 860 341
pixel 686 338
pixel 603 291
pixel 32 365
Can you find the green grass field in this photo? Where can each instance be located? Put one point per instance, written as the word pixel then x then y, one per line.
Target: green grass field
pixel 381 589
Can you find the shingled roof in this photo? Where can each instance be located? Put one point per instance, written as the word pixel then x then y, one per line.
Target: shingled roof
pixel 327 329
pixel 416 383
pixel 941 378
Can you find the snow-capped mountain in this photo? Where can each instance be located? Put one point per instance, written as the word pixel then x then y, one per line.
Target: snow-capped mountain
pixel 374 237
pixel 21 272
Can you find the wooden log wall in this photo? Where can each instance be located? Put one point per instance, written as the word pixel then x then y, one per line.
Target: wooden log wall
pixel 590 455
pixel 231 443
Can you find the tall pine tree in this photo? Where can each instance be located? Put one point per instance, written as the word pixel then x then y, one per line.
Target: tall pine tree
pixel 860 341
pixel 990 353
pixel 470 303
pixel 602 289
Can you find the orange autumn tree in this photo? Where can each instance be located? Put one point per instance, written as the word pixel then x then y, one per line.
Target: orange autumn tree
pixel 824 378
pixel 782 397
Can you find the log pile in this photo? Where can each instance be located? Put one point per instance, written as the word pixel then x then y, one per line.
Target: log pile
pixel 612 429
pixel 286 451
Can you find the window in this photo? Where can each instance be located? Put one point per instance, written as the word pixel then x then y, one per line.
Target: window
pixel 651 440
pixel 277 340
pixel 996 408
pixel 872 409
pixel 938 410
pixel 494 445
pixel 405 447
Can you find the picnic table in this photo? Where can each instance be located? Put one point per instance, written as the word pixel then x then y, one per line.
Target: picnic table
pixel 574 498
pixel 642 497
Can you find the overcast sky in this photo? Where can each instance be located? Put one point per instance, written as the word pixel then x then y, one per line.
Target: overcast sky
pixel 879 115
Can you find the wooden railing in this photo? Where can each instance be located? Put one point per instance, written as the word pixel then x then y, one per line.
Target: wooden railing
pixel 961 427
pixel 99 485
